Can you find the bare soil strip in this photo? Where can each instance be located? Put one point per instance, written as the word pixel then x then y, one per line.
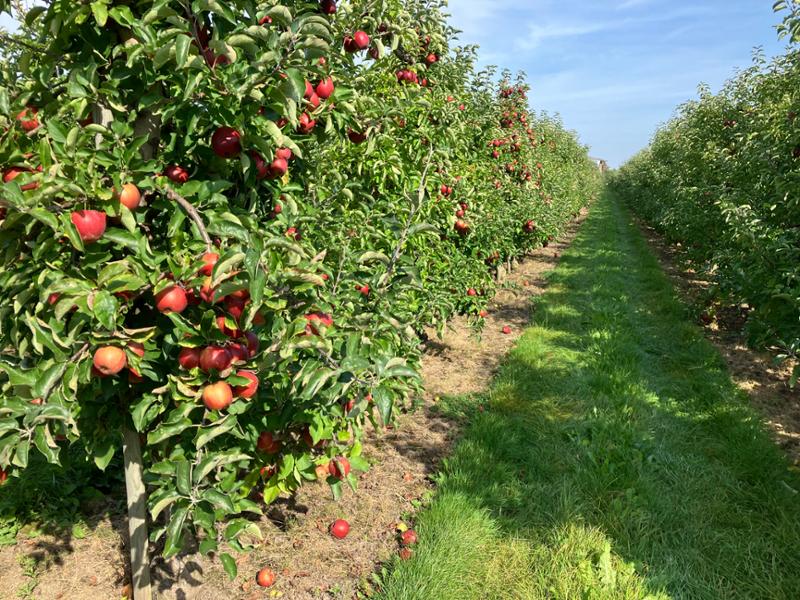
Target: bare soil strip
pixel 755 372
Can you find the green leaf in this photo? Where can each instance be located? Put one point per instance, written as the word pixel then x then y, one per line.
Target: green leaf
pixel 100 12
pixel 103 453
pixel 175 532
pixel 206 434
pixel 218 499
pixel 183 478
pixel 182 45
pixel 229 565
pixel 162 503
pixel 105 309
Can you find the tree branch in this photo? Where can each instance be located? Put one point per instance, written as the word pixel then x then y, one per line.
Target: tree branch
pixel 414 207
pixel 192 212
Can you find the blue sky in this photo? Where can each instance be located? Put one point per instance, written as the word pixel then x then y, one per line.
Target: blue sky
pixel 615 69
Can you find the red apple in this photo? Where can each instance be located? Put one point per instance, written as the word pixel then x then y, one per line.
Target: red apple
pixel 327 6
pixel 265 20
pixel 172 299
pixel 339 467
pixel 189 358
pixel 305 124
pixel 278 168
pixel 361 40
pixel 109 360
pixel 215 358
pixel 252 343
pixel 356 137
pixel 472 292
pixel 259 164
pixel 265 577
pixel 506 329
pixel 217 396
pixel 325 88
pixel 340 528
pixel 130 196
pixel 27 119
pixel 91 224
pixel 226 142
pixel 249 390
pixel 431 58
pixel 209 260
pixel 268 444
pixel 284 153
pixel 177 174
pixel 408 537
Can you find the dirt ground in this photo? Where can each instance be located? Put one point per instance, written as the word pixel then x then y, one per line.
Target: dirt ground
pixel 310 564
pixel 755 372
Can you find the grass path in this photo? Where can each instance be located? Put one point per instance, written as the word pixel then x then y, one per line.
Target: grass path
pixel 615 458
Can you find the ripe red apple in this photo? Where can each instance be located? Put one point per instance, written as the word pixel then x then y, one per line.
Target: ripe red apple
pixel 325 88
pixel 265 577
pixel 364 289
pixel 265 20
pixel 309 90
pixel 109 360
pixel 249 390
pixel 284 153
pixel 226 142
pixel 231 333
pixel 408 537
pixel 472 292
pixel 506 329
pixel 278 168
pixel 130 196
pixel 459 213
pixel 235 306
pixel 91 224
pixel 259 164
pixel 215 358
pixel 268 444
pixel 172 299
pixel 361 40
pixel 252 343
pixel 239 352
pixel 14 172
pixel 356 137
pixel 530 226
pixel 483 314
pixel 314 101
pixel 340 528
pixel 27 118
pixel 305 124
pixel 209 260
pixel 189 358
pixel 461 227
pixel 405 553
pixel 217 396
pixel 327 6
pixel 177 174
pixel 339 467
pixel 431 58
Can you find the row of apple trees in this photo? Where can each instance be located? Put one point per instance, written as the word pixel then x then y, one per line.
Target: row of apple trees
pixel 723 178
pixel 225 224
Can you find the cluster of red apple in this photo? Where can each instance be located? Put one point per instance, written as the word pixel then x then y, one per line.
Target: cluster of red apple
pixel 212 359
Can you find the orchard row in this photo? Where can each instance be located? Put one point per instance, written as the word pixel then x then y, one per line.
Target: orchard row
pixel 226 228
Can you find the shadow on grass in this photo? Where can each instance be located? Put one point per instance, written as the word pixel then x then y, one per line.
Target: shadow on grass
pixel 616 459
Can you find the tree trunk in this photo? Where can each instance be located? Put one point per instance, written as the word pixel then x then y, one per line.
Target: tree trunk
pixel 137 515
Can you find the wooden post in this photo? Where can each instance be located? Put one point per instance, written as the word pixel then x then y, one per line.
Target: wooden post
pixel 134 470
pixel 137 515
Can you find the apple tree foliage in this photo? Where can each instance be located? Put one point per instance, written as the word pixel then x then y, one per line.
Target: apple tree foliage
pixel 722 179
pixel 411 179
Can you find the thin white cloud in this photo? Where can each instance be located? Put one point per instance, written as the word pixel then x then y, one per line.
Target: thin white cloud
pixel 628 4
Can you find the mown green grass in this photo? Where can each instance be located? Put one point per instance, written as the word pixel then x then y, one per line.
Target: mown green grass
pixel 615 458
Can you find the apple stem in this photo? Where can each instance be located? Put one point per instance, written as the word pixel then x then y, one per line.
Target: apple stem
pixel 137 515
pixel 193 214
